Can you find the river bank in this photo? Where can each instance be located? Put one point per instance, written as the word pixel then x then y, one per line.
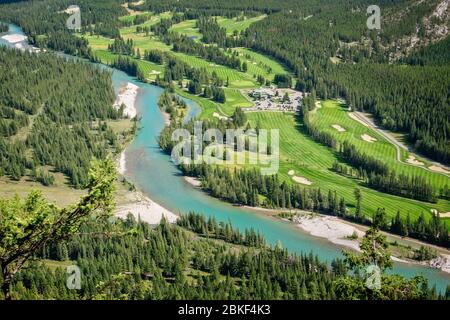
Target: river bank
pixel 347 234
pixel 158 178
pixel 135 202
pixel 126 98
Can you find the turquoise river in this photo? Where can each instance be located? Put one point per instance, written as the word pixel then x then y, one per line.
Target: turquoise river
pixel 156 176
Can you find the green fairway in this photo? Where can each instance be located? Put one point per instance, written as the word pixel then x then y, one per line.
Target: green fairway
pixel 233 24
pixel 259 64
pixel 236 78
pixel 332 113
pixel 313 161
pixel 234 99
pixel 188 28
pixel 97 42
pixel 150 69
pixel 132 16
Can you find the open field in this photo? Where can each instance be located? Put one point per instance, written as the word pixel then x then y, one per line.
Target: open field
pixel 333 113
pixel 232 25
pixel 312 161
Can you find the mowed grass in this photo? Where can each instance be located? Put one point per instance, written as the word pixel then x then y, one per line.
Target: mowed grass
pixel 132 29
pixel 208 107
pixel 313 161
pixel 234 99
pixel 233 24
pixel 150 69
pixel 130 17
pixel 259 64
pixel 334 113
pixel 236 78
pixel 188 28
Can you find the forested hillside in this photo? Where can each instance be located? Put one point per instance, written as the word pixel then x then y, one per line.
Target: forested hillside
pixel 56 119
pixel 131 260
pixel 38 18
pixel 307 35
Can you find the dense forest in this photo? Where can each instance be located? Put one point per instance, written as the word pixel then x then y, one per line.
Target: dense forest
pixel 39 18
pixel 132 260
pixel 250 187
pixel 304 36
pixel 49 117
pixel 406 99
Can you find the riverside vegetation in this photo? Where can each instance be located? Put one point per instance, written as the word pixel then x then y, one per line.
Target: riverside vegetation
pixel 195 259
pixel 212 68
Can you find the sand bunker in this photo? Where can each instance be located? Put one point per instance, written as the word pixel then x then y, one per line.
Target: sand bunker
pixel 291 172
pixel 412 160
pixel 338 128
pixel 217 115
pixel 318 104
pixel 155 72
pixel 352 115
pixel 368 138
pixel 302 180
pixel 441 214
pixel 438 169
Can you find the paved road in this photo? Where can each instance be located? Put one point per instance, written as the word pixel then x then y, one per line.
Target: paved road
pixel 397 144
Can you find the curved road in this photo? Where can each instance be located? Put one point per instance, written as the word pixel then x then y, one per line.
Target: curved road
pixel 397 144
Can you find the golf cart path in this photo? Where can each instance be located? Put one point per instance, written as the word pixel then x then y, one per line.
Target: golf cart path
pixel 397 144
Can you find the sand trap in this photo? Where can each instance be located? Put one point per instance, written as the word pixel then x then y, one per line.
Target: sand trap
pixel 14 38
pixel 338 128
pixel 412 160
pixel 291 172
pixel 217 115
pixel 438 169
pixel 127 96
pixel 318 104
pixel 352 115
pixel 441 214
pixel 155 72
pixel 302 180
pixel 368 138
pixel 145 209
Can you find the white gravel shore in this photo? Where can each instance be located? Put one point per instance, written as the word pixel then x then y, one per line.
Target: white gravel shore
pixel 127 96
pixel 140 206
pixel 329 228
pixel 143 208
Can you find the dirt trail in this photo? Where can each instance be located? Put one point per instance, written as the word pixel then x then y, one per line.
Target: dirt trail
pixel 397 144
